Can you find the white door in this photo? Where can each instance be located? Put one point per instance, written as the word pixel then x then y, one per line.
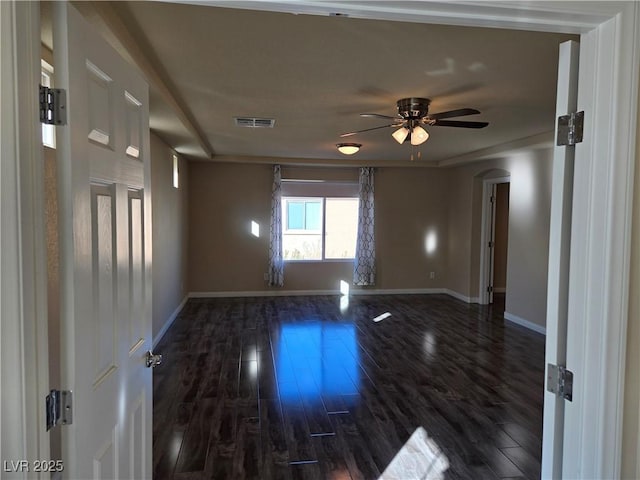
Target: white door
pixel 558 274
pixel 103 165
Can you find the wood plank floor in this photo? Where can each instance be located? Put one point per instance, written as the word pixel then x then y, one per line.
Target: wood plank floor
pixel 300 388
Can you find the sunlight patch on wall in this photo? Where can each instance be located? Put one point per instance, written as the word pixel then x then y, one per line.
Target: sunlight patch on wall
pixel 523 182
pixel 344 298
pixel 344 288
pixel 176 174
pixel 255 229
pixel 431 242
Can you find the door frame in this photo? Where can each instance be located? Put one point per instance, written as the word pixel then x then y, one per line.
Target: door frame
pixel 24 345
pixel 599 280
pixel 487 228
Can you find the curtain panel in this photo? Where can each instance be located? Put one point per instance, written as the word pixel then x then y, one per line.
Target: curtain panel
pixel 364 264
pixel 276 259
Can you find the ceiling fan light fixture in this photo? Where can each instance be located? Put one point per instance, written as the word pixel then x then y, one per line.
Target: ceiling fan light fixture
pixel 419 135
pixel 400 135
pixel 348 148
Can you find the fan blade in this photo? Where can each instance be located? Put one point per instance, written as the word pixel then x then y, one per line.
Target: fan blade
pixel 377 115
pixel 459 123
pixel 369 129
pixel 454 113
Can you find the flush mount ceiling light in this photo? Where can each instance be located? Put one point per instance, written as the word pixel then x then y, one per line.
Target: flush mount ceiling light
pixel 348 148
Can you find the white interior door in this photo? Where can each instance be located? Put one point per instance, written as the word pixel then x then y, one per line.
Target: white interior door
pixel 559 257
pixel 103 165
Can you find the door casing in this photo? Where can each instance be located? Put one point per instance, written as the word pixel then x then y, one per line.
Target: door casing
pixel 599 282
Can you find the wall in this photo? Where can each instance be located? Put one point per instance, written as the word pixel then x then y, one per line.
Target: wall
pixel 225 197
pixel 169 215
pixel 411 203
pixel 528 244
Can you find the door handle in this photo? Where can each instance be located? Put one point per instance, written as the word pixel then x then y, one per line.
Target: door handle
pixel 152 360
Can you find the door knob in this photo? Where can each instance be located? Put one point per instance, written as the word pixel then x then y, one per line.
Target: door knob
pixel 152 360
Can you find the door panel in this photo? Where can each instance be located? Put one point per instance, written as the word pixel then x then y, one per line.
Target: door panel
pixel 103 154
pixel 136 271
pixel 105 330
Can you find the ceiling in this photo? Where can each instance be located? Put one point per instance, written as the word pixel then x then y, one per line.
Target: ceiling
pixel 315 74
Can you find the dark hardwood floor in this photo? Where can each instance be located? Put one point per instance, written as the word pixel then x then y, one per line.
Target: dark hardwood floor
pixel 295 387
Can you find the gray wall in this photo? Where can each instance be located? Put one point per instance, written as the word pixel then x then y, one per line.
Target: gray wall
pixel 225 197
pixel 169 214
pixel 410 203
pixel 528 234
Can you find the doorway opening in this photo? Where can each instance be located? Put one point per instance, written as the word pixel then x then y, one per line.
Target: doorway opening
pixel 494 238
pixel 498 281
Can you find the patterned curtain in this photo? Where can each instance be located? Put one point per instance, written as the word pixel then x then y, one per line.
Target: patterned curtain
pixel 364 265
pixel 276 261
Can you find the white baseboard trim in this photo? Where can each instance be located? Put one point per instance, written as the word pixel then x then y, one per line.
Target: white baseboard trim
pixel 169 321
pixel 288 293
pixel 525 323
pixel 459 296
pixel 263 293
pixel 397 291
pixel 354 291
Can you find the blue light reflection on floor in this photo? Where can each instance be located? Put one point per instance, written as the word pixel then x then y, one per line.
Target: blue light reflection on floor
pixel 316 360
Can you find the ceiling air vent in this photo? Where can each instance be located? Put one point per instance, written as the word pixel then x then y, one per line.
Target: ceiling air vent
pixel 252 122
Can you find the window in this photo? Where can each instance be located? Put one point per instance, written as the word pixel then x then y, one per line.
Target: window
pixel 319 228
pixel 48 131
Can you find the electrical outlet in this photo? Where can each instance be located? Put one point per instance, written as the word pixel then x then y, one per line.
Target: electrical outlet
pixel 432 275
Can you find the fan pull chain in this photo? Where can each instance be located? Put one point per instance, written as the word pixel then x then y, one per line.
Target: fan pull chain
pixel 413 148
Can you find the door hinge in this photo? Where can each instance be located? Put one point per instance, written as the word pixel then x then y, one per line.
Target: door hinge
pixel 490 244
pixel 489 289
pixel 491 199
pixel 560 381
pixel 59 408
pixel 53 106
pixel 570 128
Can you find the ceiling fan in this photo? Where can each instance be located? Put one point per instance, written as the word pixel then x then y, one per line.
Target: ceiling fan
pixel 413 115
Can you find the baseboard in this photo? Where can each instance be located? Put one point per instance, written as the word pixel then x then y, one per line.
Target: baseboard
pixel 169 321
pixel 525 323
pixel 264 293
pixel 353 291
pixel 459 296
pixel 289 293
pixel 397 291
